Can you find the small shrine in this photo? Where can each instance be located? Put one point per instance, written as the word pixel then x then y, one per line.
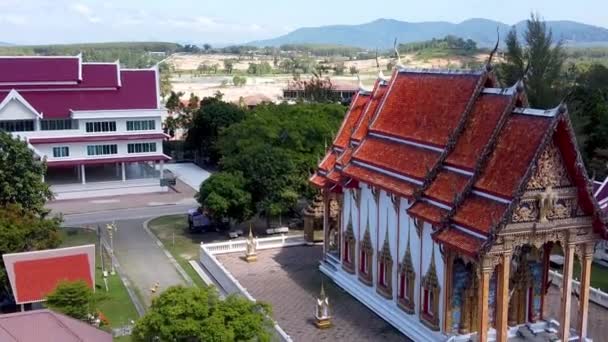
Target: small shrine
pixel 313 219
pixel 251 254
pixel 322 313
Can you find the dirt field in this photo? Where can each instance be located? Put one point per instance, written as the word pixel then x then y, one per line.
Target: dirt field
pixel 272 85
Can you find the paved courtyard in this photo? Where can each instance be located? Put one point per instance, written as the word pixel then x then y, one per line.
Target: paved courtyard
pixel 598 316
pixel 289 279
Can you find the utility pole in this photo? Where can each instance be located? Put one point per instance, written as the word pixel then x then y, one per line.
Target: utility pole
pixel 103 265
pixel 111 229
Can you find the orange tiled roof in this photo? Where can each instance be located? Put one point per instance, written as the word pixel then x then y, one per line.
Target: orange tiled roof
pixel 427 212
pixel 363 124
pixel 446 185
pixel 425 107
pixel 479 213
pixel 397 157
pixel 515 148
pixel 459 241
pixel 480 124
pixel 356 109
pixel 388 183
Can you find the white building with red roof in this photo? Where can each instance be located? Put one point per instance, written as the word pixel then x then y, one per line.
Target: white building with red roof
pixel 98 125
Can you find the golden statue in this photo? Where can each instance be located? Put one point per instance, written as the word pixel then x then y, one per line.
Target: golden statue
pixel 546 202
pixel 322 314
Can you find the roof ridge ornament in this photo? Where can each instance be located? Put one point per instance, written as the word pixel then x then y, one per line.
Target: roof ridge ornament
pixel 362 88
pixel 493 52
pixel 399 65
pixel 380 73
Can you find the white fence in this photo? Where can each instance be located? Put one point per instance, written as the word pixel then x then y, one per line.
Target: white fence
pixel 225 279
pixel 597 296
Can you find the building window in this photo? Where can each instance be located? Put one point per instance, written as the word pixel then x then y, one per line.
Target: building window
pixel 407 281
pixel 58 124
pixel 60 152
pixel 17 125
pixel 429 314
pixel 349 248
pixel 366 253
pixel 96 150
pixel 141 147
pixel 101 126
pixel 385 270
pixel 141 125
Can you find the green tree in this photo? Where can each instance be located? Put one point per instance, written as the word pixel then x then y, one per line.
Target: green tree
pixel 206 47
pixel 223 195
pixel 228 65
pixel 197 314
pixel 542 56
pixel 213 116
pixel 22 231
pixel 353 70
pixel 239 81
pixel 588 108
pixel 21 173
pixel 165 71
pixel 75 299
pixel 339 68
pixel 275 148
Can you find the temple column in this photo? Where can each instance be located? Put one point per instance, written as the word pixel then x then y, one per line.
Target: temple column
pixel 82 174
pixel 124 172
pixel 502 298
pixel 566 299
pixel 485 273
pixel 545 278
pixel 447 307
pixel 326 214
pixel 583 310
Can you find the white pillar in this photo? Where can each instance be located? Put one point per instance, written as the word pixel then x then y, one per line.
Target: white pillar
pixel 82 174
pixel 124 172
pixel 161 168
pixel 117 169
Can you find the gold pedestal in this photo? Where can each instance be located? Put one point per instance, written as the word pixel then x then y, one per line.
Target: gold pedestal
pixel 323 323
pixel 251 257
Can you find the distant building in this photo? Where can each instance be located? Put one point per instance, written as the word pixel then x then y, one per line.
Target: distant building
pixel 46 325
pixel 344 90
pixel 98 126
pixel 33 275
pixel 253 101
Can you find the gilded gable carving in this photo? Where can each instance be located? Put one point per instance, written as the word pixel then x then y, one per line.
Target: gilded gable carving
pixel 528 210
pixel 550 170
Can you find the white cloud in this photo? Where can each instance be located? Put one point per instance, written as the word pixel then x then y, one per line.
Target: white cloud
pixel 86 12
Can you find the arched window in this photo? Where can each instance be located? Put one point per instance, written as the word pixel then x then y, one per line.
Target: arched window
pixel 407 281
pixel 429 315
pixel 366 253
pixel 348 255
pixel 385 269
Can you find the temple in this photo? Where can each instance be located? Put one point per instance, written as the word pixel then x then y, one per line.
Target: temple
pixel 452 194
pixel 97 125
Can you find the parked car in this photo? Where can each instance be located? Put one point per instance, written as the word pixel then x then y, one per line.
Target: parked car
pixel 198 221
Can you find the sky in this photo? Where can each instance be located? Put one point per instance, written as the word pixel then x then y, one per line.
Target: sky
pixel 239 21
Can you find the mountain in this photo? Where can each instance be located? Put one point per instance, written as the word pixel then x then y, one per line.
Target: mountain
pixel 5 44
pixel 381 33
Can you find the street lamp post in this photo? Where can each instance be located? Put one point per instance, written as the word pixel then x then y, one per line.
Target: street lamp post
pixel 112 227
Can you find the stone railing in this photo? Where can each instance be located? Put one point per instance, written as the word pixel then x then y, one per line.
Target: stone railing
pixel 597 296
pixel 262 243
pixel 227 281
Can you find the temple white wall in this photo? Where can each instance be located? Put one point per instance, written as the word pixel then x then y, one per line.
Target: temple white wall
pixel 369 218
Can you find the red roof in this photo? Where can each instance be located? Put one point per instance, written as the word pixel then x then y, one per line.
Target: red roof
pixel 445 186
pixel 425 107
pixel 481 123
pixel 442 139
pixel 37 278
pixel 397 157
pixel 356 109
pixel 99 88
pixel 46 325
pixel 94 138
pixel 39 69
pixel 378 93
pixel 517 143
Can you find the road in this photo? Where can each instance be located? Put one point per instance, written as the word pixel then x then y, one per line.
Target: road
pixel 140 258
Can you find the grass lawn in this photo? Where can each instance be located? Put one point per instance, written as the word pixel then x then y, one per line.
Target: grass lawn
pixel 117 306
pixel 173 232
